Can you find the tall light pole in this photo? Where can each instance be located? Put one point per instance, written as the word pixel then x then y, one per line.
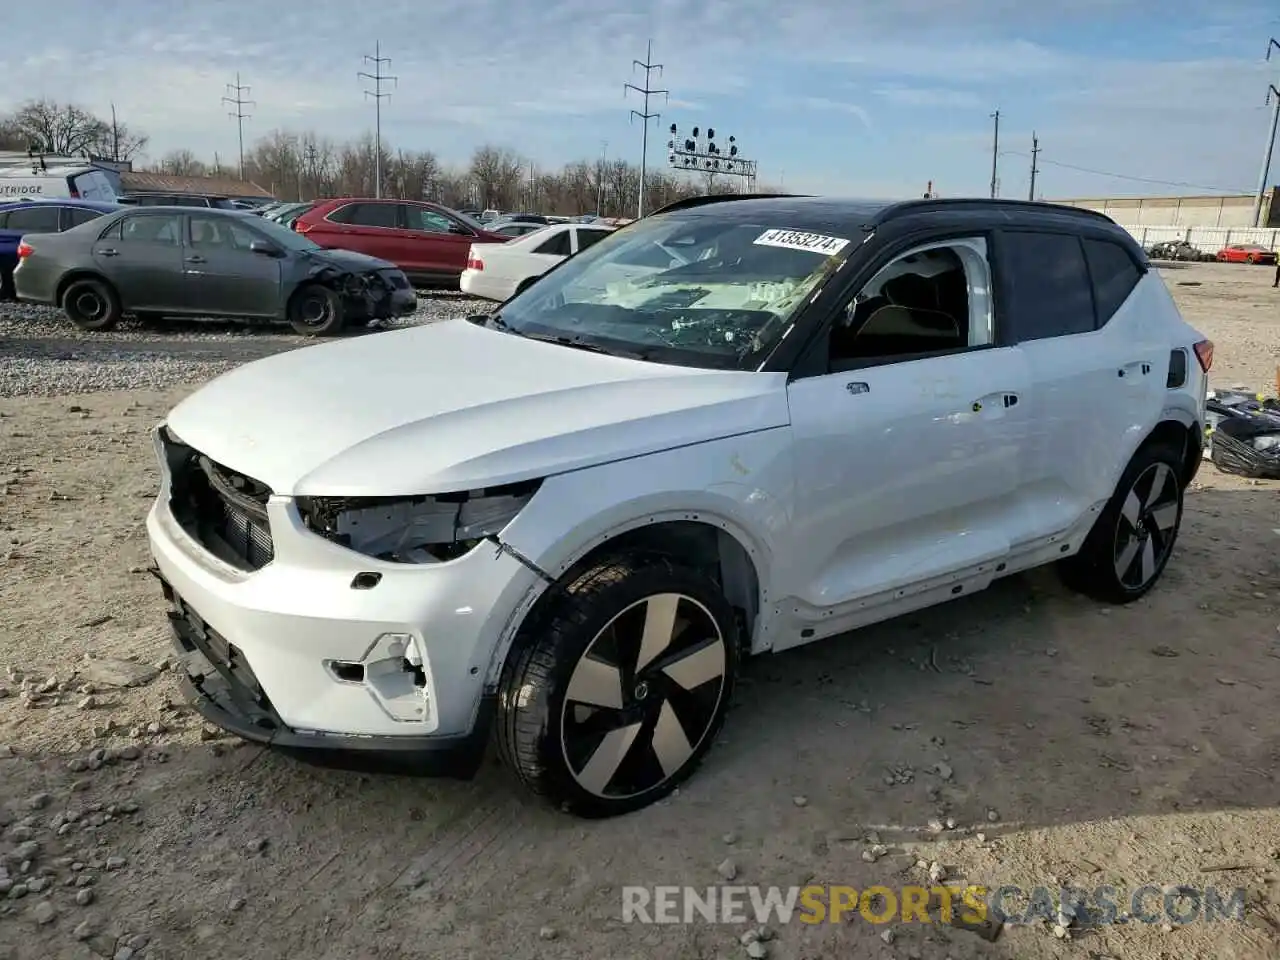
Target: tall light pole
pixel 1271 141
pixel 995 155
pixel 604 151
pixel 237 96
pixel 649 67
pixel 378 61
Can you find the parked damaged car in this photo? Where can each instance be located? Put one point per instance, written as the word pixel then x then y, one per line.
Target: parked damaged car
pixel 155 262
pixel 736 426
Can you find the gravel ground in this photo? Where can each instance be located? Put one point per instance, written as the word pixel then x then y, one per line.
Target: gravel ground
pixel 1019 736
pixel 43 355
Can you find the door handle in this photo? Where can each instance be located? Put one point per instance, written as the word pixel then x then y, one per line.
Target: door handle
pixel 1139 368
pixel 993 402
pixel 109 252
pixel 196 260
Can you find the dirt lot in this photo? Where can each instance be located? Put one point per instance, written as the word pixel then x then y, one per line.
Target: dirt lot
pixel 1088 746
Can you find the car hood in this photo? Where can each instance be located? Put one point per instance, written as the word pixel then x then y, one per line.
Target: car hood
pixel 453 406
pixel 350 260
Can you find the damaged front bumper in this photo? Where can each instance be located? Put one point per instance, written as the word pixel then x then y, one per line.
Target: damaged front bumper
pixel 290 640
pixel 378 295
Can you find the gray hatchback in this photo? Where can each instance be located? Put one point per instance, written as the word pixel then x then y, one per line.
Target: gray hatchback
pixel 167 261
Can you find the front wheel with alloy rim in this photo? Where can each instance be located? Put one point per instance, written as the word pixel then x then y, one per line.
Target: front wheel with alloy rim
pixel 1133 538
pixel 316 311
pixel 614 694
pixel 91 305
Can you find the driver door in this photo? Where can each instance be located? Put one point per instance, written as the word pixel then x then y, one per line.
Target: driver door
pixel 223 275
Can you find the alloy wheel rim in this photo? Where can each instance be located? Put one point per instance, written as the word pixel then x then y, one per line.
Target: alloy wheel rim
pixel 89 305
pixel 643 697
pixel 1146 526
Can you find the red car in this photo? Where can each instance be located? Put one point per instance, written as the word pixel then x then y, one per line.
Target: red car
pixel 1246 253
pixel 427 241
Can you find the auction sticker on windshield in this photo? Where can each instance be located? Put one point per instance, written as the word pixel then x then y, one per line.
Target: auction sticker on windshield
pixel 797 240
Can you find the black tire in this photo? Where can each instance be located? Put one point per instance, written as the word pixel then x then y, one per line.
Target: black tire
pixel 554 739
pixel 1113 564
pixel 316 311
pixel 1250 260
pixel 91 304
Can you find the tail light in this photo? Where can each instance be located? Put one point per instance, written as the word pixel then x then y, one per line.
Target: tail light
pixel 25 250
pixel 300 227
pixel 73 191
pixel 475 263
pixel 1204 353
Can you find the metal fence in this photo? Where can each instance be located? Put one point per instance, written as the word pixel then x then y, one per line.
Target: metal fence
pixel 1208 239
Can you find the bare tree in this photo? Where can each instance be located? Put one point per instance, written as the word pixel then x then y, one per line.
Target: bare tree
pixel 497 173
pixel 182 163
pixel 59 128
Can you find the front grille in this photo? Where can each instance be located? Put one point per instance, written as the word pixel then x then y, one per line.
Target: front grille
pixel 223 510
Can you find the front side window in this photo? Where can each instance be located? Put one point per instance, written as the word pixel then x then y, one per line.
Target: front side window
pixel 702 290
pixel 426 219
pixel 929 300
pixel 35 220
pixel 75 216
pixel 219 233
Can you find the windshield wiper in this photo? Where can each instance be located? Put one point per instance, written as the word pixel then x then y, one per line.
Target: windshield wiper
pixel 577 343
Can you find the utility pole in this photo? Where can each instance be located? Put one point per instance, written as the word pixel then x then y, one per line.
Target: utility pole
pixel 649 67
pixel 1035 152
pixel 379 78
pixel 604 151
pixel 995 154
pixel 1271 141
pixel 238 96
pixel 115 135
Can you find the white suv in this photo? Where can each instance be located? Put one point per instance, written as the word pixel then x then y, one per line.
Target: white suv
pixel 732 427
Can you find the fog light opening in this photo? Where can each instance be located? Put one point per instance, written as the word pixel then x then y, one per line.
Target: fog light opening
pixel 347 671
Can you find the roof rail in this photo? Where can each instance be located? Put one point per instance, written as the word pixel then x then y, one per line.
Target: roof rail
pixel 981 203
pixel 691 202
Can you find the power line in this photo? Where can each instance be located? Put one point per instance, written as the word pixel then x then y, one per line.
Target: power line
pixel 378 78
pixel 1271 141
pixel 238 96
pixel 1123 176
pixel 649 68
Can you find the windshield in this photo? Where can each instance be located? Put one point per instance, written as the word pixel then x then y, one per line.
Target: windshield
pixel 699 291
pixel 279 234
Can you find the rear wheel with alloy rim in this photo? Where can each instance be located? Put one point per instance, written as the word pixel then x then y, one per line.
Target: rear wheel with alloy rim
pixel 612 697
pixel 1133 538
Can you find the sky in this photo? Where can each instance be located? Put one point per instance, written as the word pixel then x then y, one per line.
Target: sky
pixel 868 99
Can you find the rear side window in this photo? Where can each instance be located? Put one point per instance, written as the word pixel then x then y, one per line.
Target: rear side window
pixel 1048 284
pixel 557 246
pixel 1114 276
pixel 74 216
pixel 152 228
pixel 34 220
pixel 367 214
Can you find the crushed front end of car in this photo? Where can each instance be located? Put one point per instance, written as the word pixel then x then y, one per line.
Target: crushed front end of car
pixel 379 294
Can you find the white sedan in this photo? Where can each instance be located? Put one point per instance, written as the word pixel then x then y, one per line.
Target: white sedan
pixel 498 271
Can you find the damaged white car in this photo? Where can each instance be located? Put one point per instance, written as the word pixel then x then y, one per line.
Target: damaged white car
pixel 733 427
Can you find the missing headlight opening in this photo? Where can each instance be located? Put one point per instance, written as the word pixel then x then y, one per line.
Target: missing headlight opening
pixel 430 529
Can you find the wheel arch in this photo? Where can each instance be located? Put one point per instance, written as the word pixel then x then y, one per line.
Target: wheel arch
pixel 84 274
pixel 1180 431
pixel 700 540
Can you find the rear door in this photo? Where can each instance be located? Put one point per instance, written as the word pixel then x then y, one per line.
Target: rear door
pixel 1097 367
pixel 366 226
pixel 141 254
pixel 34 219
pixel 222 275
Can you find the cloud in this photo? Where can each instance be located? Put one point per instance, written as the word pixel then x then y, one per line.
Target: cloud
pixel 1111 85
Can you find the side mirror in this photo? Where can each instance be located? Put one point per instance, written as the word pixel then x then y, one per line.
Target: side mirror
pixel 264 248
